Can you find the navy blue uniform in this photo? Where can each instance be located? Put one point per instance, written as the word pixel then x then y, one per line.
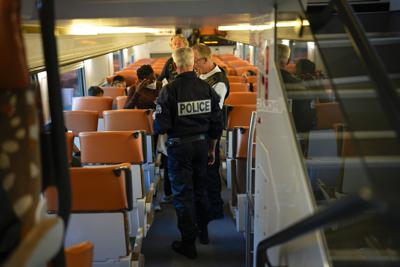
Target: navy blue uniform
pixel 188 111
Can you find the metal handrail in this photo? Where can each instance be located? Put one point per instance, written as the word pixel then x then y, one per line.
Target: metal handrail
pixel 386 90
pixel 345 208
pixel 250 148
pixel 249 187
pixel 58 144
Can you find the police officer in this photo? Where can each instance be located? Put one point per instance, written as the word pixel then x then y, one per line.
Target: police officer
pixel 169 71
pixel 188 111
pixel 216 78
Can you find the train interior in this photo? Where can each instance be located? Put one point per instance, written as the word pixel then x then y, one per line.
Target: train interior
pixel 310 152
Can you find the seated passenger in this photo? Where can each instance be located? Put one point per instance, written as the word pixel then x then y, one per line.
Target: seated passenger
pixel 118 81
pixel 305 69
pixel 146 91
pixel 95 91
pixel 246 74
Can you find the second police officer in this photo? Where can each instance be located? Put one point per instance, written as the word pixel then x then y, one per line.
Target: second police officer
pixel 216 78
pixel 188 111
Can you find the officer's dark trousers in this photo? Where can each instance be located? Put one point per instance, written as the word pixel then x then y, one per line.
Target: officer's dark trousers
pixel 187 164
pixel 213 184
pixel 167 183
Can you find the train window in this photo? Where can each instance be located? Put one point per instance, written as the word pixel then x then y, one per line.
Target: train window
pixel 72 85
pixel 117 61
pixel 299 51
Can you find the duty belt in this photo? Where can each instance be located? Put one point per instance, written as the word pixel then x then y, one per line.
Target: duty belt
pixel 184 140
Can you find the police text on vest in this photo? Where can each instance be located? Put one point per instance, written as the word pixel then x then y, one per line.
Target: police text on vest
pixel 194 107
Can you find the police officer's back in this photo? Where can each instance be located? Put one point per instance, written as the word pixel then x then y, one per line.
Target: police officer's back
pixel 188 110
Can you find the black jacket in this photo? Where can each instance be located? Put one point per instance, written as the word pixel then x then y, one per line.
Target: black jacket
pixel 188 106
pixel 168 72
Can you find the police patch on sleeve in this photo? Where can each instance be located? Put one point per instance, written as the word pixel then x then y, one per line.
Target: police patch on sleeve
pixel 194 107
pixel 158 109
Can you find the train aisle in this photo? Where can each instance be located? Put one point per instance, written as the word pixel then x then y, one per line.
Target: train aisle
pixel 226 248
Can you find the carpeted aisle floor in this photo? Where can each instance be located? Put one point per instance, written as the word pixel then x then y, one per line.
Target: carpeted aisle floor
pixel 226 248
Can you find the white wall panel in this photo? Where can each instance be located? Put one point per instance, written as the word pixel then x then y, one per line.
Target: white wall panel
pixel 74 48
pixel 96 70
pixel 160 45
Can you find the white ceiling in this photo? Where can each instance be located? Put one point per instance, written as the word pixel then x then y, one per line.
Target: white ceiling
pixel 152 13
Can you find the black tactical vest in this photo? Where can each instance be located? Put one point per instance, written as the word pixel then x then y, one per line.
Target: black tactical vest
pixel 217 78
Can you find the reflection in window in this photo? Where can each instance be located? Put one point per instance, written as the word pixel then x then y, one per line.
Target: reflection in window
pixel 117 60
pixel 71 84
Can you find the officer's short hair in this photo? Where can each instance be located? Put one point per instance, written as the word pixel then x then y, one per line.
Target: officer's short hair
pixel 203 50
pixel 144 71
pixel 283 54
pixel 183 57
pixel 95 91
pixel 179 36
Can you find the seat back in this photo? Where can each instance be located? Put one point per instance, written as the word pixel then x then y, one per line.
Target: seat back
pixel 113 92
pixel 100 189
pixel 244 68
pixel 236 79
pixel 121 100
pixel 69 136
pixel 238 87
pixel 242 136
pixel 129 75
pixel 79 255
pixel 252 79
pixel 328 114
pixel 128 120
pixel 94 103
pixel 240 115
pixel 238 63
pixel 111 147
pixel 81 121
pixel 241 98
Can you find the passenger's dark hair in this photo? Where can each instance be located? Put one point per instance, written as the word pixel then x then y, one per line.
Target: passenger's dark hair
pixel 144 71
pixel 118 78
pixel 95 91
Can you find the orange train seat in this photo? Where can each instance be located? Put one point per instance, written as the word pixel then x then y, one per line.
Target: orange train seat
pixel 243 69
pixel 240 115
pixel 252 79
pixel 113 91
pixel 238 87
pixel 112 190
pixel 101 194
pixel 237 63
pixel 133 120
pixel 242 137
pixel 79 255
pixel 69 140
pixel 95 103
pixel 236 79
pixel 236 153
pixel 230 71
pixel 81 120
pixel 328 114
pixel 128 120
pixel 112 147
pixel 129 75
pixel 241 98
pixel 121 101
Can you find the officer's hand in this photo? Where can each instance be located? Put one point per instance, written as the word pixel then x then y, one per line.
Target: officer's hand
pixel 211 157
